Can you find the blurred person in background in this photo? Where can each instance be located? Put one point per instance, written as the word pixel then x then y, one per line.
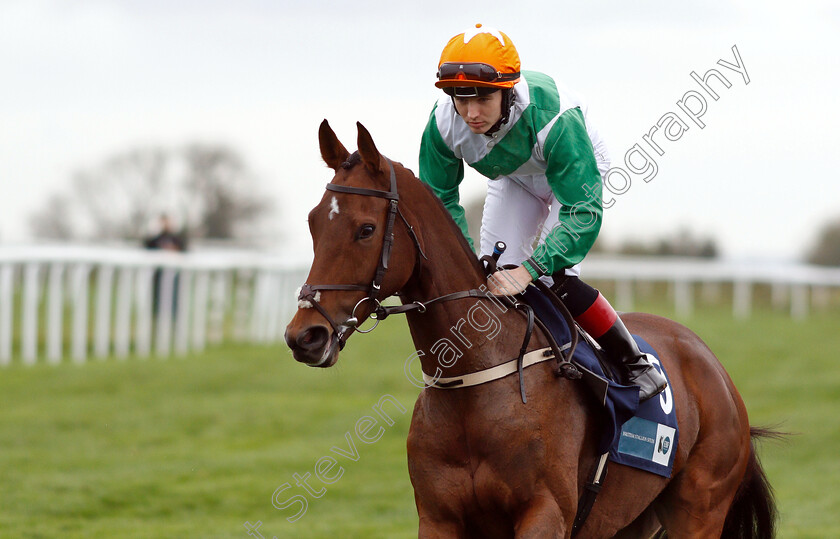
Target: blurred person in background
pixel 166 240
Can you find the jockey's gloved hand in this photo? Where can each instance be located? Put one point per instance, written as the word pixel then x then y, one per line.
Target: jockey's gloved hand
pixel 509 282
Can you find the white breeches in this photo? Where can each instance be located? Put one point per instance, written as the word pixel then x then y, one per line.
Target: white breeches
pixel 521 211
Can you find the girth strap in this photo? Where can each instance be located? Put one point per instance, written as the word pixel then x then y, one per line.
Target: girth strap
pixel 590 493
pixel 493 373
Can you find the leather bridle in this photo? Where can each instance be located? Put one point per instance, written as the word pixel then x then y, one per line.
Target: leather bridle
pixel 308 292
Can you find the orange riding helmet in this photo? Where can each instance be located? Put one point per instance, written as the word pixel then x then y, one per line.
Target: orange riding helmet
pixel 479 57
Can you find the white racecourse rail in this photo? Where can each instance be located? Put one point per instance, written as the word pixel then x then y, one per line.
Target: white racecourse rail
pixel 124 301
pixel 120 301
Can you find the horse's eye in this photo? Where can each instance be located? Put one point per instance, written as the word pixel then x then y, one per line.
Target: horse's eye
pixel 365 231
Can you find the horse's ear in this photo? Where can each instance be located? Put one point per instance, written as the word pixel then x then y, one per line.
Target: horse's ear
pixel 367 150
pixel 332 150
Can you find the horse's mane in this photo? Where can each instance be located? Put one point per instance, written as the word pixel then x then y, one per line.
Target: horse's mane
pixel 456 230
pixel 355 159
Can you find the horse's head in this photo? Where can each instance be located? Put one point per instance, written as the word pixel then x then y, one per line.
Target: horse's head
pixel 363 251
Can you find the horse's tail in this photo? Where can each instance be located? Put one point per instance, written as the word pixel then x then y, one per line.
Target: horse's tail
pixel 753 512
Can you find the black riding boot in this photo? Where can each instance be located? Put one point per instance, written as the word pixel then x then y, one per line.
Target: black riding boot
pixel 597 317
pixel 619 346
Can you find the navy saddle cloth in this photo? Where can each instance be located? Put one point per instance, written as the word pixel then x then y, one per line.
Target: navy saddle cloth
pixel 642 435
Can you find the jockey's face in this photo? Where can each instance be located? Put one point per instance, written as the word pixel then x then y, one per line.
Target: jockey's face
pixel 482 112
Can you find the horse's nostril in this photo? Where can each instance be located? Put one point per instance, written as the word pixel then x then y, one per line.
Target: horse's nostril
pixel 313 338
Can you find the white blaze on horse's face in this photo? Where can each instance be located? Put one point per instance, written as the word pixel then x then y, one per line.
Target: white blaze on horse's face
pixel 333 208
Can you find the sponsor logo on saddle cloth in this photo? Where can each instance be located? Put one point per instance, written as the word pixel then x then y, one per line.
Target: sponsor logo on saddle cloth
pixel 649 439
pixel 646 440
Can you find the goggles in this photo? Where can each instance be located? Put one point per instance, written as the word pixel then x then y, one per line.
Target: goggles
pixel 473 71
pixel 468 91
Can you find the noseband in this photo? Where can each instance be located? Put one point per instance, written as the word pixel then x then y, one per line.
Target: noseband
pixel 308 291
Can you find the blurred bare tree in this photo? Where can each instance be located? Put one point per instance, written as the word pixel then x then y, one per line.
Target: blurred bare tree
pixel 683 242
pixel 53 220
pixel 826 249
pixel 208 188
pixel 120 196
pixel 223 194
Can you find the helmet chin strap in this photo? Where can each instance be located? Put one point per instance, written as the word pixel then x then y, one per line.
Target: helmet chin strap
pixel 508 98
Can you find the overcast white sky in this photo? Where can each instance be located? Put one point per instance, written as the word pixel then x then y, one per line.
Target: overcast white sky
pixel 83 80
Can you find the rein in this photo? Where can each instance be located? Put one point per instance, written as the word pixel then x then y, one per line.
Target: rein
pixel 309 293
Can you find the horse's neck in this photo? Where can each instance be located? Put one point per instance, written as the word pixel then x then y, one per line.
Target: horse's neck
pixel 479 332
pixel 450 265
pixel 448 270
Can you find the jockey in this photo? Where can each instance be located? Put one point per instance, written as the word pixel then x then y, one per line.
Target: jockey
pixel 545 163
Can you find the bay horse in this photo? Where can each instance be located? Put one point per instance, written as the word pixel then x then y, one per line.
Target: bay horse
pixel 482 462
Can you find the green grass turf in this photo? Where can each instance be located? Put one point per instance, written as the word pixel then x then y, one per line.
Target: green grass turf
pixel 195 447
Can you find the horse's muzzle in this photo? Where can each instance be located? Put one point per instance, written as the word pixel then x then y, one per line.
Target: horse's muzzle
pixel 314 346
